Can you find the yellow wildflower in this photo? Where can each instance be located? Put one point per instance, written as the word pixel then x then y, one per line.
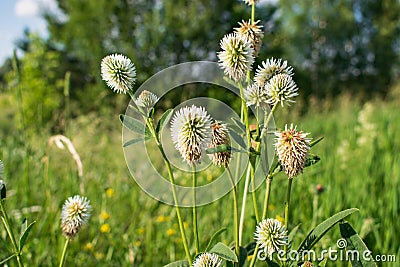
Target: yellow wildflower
pixel 105 228
pixel 170 232
pixel 104 215
pixel 110 192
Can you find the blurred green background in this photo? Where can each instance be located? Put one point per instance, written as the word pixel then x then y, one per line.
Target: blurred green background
pixel 346 60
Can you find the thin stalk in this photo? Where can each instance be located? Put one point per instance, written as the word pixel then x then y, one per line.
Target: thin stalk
pixel 267 195
pixel 243 209
pixel 253 7
pixel 150 124
pixel 194 210
pixel 64 253
pixel 7 225
pixel 268 182
pixel 253 192
pixel 287 208
pixel 235 211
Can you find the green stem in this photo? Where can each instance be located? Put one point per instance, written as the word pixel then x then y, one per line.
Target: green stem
pixel 236 211
pixel 287 208
pixel 267 194
pixel 150 124
pixel 7 225
pixel 252 12
pixel 242 212
pixel 64 253
pixel 253 193
pixel 194 209
pixel 264 215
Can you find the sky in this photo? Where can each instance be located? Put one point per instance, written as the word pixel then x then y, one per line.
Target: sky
pixel 17 15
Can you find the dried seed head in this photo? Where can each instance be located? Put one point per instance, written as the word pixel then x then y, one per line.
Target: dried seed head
pixel 292 148
pixel 252 33
pixel 220 136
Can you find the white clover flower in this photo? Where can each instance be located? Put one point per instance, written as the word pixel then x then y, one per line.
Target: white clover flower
pixel 146 100
pixel 250 2
pixel 75 214
pixel 252 33
pixel 271 235
pixel 236 56
pixel 256 94
pixel 270 68
pixel 190 130
pixel 207 260
pixel 292 148
pixel 281 89
pixel 220 136
pixel 119 73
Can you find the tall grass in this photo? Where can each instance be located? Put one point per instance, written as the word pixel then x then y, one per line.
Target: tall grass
pixel 360 167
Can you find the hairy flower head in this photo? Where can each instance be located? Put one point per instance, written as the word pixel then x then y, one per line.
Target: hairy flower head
pixel 119 73
pixel 190 130
pixel 236 56
pixel 256 94
pixel 270 68
pixel 207 260
pixel 75 214
pixel 292 148
pixel 281 89
pixel 220 136
pixel 252 33
pixel 146 101
pixel 271 235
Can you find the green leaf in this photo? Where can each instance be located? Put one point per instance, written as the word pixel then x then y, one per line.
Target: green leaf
pixel 293 233
pixel 239 124
pixel 178 264
pixel 238 139
pixel 132 124
pixel 164 118
pixel 322 263
pixel 224 252
pixel 354 243
pixel 136 140
pixel 3 190
pixel 271 263
pixel 25 230
pixel 320 230
pixel 214 237
pixel 7 259
pixel 311 160
pixel 316 141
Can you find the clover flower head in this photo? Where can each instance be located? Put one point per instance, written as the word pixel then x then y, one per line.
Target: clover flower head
pixel 220 136
pixel 146 101
pixel 270 68
pixel 236 56
pixel 75 214
pixel 190 131
pixel 207 260
pixel 271 235
pixel 256 94
pixel 281 88
pixel 119 73
pixel 307 264
pixel 252 33
pixel 250 2
pixel 292 148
